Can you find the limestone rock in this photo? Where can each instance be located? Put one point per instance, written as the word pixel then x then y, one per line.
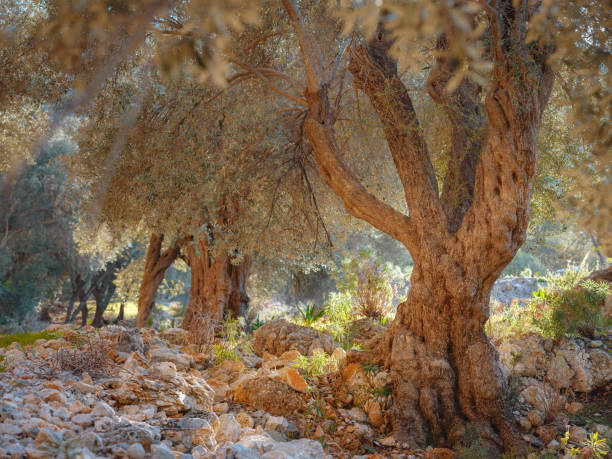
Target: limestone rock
pixel 601 367
pixel 161 451
pixel 229 429
pixel 293 379
pixel 574 408
pixel 245 420
pixel 523 356
pixel 269 394
pixel 577 435
pixel 559 372
pixel 546 433
pixel 136 451
pixel 303 448
pixel 278 336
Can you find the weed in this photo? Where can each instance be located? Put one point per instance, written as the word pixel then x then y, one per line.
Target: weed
pixel 316 364
pixel 257 323
pixel 235 342
pixel 310 314
pixel 25 339
pixel 2 363
pixel 370 369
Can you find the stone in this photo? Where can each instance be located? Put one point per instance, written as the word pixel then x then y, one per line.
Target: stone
pixel 220 389
pixel 203 434
pixel 229 429
pixel 166 371
pixel 83 420
pixel 559 372
pixel 245 420
pixel 535 396
pixel 574 408
pixel 363 330
pixel 162 354
pixel 546 433
pixel 578 360
pixel 388 441
pixel 161 451
pixel 268 394
pixel 525 424
pixel 258 443
pixel 604 431
pixel 293 379
pixel 357 414
pixel 278 423
pixel 339 354
pixel 52 395
pixel 352 437
pixel 601 368
pixel 278 336
pixel 220 408
pixel 523 356
pixel 536 418
pixel 288 358
pixel 577 435
pixel 374 412
pixel 104 424
pixel 103 409
pixel 239 451
pixel 303 448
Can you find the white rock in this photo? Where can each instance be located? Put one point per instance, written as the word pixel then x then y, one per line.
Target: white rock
pixel 303 448
pixel 136 451
pixel 83 419
pixel 278 423
pixel 164 370
pixel 229 429
pixel 161 451
pixel 103 409
pixel 358 414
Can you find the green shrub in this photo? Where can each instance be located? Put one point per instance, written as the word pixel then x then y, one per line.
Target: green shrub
pixel 25 339
pixel 338 315
pixel 310 314
pixel 316 364
pixel 235 342
pixel 368 281
pixel 569 310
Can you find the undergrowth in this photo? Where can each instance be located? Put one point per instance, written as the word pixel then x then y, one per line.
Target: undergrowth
pixel 25 339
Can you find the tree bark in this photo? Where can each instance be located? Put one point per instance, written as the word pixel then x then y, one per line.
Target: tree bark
pixel 156 264
pixel 444 369
pixel 218 284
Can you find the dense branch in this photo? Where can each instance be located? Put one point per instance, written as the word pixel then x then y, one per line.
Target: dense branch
pixel 468 123
pixel 375 73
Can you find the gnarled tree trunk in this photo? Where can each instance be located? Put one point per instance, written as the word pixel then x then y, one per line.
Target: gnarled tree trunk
pixel 445 371
pixel 217 284
pixel 156 264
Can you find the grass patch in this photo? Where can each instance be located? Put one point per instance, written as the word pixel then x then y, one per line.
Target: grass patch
pixel 24 339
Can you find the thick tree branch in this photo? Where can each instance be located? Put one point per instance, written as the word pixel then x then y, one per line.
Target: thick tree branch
pixel 468 125
pixel 375 73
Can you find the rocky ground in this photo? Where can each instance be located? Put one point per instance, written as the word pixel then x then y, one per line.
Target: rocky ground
pixel 122 393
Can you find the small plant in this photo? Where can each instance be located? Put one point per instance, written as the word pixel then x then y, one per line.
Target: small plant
pixel 316 364
pixel 383 391
pixel 2 363
pixel 368 281
pixel 235 343
pixel 310 314
pixel 257 323
pixel 370 369
pixel 25 339
pixel 593 446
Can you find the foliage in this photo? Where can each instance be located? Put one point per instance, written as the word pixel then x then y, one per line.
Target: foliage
pixel 256 323
pixel 338 315
pixel 201 331
pixel 593 446
pixel 472 444
pixel 36 243
pixel 310 314
pixel 368 282
pixel 25 339
pixel 568 307
pixel 316 364
pixel 235 342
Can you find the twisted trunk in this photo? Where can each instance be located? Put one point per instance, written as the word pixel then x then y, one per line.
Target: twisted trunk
pixel 217 284
pixel 156 264
pixel 445 371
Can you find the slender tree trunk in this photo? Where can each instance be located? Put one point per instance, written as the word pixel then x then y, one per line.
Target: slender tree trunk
pixel 156 264
pixel 217 285
pixel 121 314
